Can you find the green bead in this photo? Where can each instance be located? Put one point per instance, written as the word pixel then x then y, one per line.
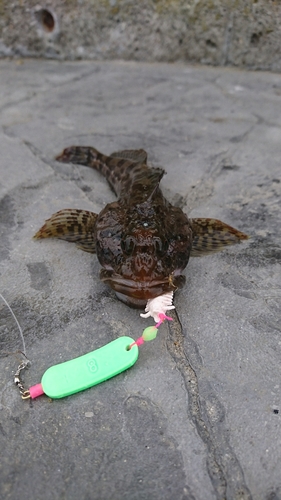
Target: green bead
pixel 149 333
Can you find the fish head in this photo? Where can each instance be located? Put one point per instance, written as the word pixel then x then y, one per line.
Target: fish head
pixel 144 257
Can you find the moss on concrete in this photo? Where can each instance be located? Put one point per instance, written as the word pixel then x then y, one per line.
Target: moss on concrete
pixel 241 33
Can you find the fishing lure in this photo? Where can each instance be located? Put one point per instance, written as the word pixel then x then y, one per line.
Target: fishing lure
pixel 97 366
pixel 81 373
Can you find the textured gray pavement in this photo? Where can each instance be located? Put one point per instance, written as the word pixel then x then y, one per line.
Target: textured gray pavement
pixel 198 416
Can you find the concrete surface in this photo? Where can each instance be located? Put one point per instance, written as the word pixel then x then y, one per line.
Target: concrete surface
pixel 198 416
pixel 243 33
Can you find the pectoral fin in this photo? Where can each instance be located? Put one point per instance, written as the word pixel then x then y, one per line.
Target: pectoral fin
pixel 71 225
pixel 212 235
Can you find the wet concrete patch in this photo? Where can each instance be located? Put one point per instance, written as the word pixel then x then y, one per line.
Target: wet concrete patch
pixel 7 222
pixel 236 283
pixel 40 276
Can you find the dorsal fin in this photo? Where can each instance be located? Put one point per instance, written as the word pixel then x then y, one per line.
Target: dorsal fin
pixel 136 155
pixel 144 185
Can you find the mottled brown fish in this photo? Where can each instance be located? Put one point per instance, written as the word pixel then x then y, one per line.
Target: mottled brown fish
pixel 142 242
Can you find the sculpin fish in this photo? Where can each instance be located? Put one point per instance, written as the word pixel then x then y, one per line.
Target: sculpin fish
pixel 142 242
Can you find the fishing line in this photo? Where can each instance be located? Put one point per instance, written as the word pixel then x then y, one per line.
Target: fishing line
pixel 19 327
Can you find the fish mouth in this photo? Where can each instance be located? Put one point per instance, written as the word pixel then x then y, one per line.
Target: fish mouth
pixel 137 293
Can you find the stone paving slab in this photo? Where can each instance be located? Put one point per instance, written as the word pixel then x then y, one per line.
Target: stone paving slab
pixel 198 416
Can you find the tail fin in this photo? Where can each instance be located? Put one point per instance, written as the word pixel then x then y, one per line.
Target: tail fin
pixel 119 168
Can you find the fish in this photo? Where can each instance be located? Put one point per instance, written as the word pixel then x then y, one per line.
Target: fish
pixel 143 243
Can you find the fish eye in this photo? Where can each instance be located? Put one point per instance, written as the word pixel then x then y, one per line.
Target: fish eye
pixel 145 224
pixel 105 234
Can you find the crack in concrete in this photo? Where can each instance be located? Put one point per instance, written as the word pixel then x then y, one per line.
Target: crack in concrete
pixel 26 98
pixel 265 121
pixel 208 415
pixel 241 137
pixel 204 187
pixel 38 154
pixel 51 163
pixel 53 86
